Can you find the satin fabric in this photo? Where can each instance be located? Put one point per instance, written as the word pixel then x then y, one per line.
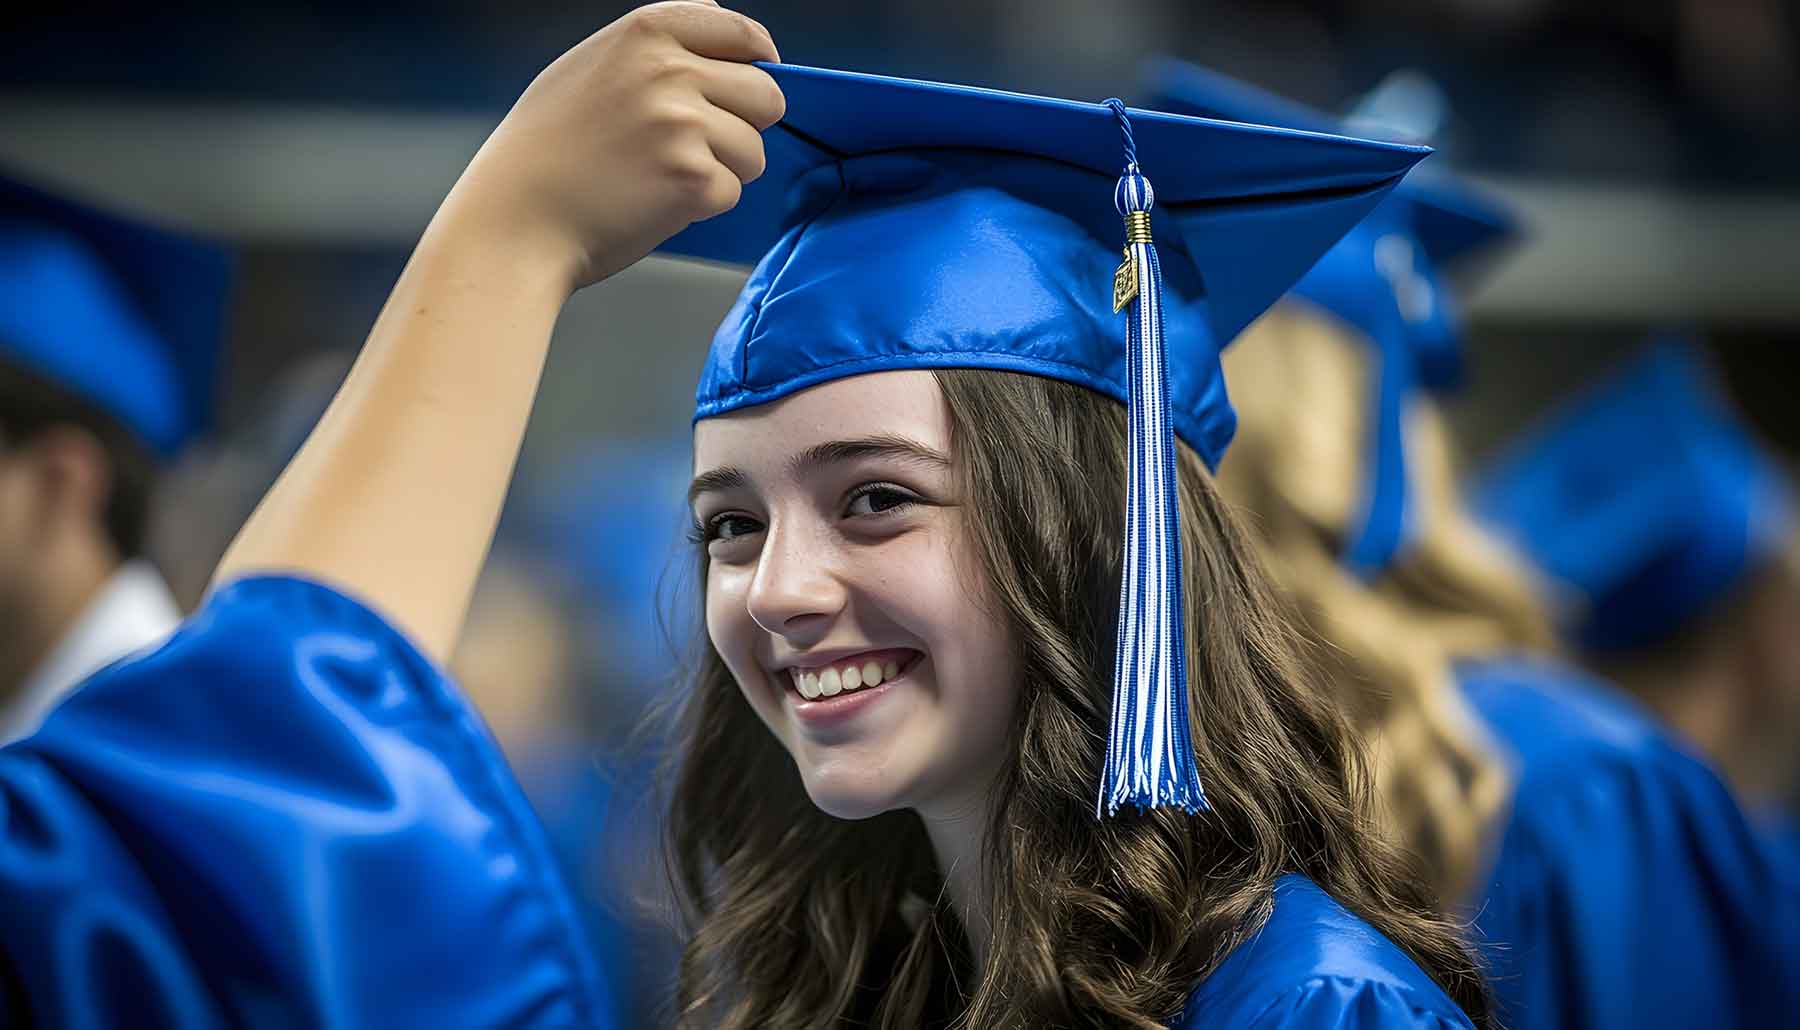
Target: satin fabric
pixel 1356 290
pixel 917 225
pixel 1781 829
pixel 1317 966
pixel 1629 889
pixel 1386 284
pixel 1020 294
pixel 1453 222
pixel 284 817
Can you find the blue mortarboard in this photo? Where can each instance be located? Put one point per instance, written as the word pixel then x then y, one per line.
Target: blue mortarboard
pixel 1643 500
pixel 913 225
pixel 1386 279
pixel 128 316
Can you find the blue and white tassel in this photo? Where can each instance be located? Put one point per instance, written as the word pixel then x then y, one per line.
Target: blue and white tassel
pixel 1149 756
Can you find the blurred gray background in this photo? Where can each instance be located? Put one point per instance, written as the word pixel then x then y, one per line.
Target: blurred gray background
pixel 1651 145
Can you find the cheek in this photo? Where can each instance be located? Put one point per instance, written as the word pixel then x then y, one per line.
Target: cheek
pixel 969 635
pixel 729 626
pixel 990 696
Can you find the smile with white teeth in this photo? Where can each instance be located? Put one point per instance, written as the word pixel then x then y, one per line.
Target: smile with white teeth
pixel 838 679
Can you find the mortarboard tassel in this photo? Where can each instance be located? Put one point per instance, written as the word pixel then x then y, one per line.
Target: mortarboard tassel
pixel 1149 756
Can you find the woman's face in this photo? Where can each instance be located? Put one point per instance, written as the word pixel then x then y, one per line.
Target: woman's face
pixel 839 558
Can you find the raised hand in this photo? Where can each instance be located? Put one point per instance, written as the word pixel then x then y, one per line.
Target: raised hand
pixel 650 124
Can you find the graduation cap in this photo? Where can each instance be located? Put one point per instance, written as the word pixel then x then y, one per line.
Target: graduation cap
pixel 1643 500
pixel 122 314
pixel 1387 279
pixel 915 225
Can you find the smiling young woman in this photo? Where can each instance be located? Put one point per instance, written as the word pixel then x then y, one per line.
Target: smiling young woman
pixel 927 849
pixel 998 722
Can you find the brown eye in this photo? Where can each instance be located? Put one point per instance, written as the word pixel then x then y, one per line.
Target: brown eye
pixel 878 499
pixel 730 526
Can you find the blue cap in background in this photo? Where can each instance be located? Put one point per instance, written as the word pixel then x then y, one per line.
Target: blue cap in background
pixel 1643 500
pixel 1387 280
pixel 125 315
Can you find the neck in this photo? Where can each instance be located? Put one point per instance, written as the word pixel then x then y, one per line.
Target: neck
pixel 1698 706
pixel 68 579
pixel 1704 696
pixel 958 833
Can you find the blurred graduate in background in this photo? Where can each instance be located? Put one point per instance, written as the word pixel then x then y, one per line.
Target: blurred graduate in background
pixel 1613 880
pixel 110 332
pixel 1670 553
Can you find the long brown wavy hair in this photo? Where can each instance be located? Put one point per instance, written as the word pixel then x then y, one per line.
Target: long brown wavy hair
pixel 1301 382
pixel 798 919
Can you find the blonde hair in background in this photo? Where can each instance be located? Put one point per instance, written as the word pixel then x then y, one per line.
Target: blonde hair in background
pixel 1478 598
pixel 1296 469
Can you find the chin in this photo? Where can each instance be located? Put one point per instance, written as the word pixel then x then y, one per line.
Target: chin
pixel 844 798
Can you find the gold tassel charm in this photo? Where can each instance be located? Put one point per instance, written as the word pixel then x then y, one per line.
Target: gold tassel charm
pixel 1125 282
pixel 1126 277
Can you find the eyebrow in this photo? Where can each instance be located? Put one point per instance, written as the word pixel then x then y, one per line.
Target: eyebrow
pixel 831 452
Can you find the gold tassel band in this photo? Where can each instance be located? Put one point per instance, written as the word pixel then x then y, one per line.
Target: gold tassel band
pixel 1137 227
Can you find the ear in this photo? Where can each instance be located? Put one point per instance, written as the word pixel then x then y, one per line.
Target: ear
pixel 74 472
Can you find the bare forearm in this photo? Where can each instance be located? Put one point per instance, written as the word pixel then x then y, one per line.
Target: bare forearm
pixel 642 129
pixel 396 493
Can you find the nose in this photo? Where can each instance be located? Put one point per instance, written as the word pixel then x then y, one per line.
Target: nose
pixel 794 592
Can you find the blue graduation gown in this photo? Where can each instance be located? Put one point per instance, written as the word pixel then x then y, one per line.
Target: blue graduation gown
pixel 1629 889
pixel 601 826
pixel 1780 829
pixel 285 816
pixel 1317 966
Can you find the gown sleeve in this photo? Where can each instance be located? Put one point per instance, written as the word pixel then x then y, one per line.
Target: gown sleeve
pixel 1629 891
pixel 1343 1003
pixel 1315 965
pixel 284 816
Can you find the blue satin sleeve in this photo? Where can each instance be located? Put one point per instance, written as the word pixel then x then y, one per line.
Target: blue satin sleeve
pixel 1315 965
pixel 1780 830
pixel 285 816
pixel 1629 889
pixel 1349 1004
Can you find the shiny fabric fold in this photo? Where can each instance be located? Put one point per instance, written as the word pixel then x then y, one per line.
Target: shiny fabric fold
pixel 1386 284
pixel 1628 888
pixel 918 225
pixel 1315 965
pixel 286 816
